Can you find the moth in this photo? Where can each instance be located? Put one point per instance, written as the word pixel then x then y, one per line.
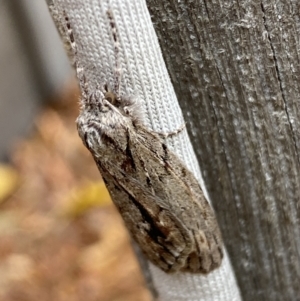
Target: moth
pixel 159 199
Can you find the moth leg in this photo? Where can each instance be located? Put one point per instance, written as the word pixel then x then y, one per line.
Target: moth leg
pixel 173 133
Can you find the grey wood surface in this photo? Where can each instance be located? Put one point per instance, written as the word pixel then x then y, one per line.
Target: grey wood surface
pixel 235 68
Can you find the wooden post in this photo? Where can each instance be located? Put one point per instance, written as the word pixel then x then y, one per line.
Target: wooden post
pixel 235 67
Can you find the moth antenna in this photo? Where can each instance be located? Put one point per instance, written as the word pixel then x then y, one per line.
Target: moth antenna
pixel 117 79
pixel 79 70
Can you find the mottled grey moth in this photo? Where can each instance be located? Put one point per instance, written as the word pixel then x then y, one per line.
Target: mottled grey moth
pixel 159 199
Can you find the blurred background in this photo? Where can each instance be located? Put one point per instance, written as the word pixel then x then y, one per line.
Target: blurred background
pixel 60 236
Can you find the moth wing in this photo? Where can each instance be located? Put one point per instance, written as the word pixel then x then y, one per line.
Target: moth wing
pixel 161 236
pixel 186 198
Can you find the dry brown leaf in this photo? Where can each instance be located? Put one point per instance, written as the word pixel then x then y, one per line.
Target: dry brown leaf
pixel 80 200
pixel 9 180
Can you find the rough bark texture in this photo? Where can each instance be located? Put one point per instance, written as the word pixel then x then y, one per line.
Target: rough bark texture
pixel 235 68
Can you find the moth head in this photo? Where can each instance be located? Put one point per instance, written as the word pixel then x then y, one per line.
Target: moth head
pixel 95 103
pixel 127 106
pixel 121 104
pixel 106 102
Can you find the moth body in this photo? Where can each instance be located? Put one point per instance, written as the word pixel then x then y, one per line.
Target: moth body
pixel 160 201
